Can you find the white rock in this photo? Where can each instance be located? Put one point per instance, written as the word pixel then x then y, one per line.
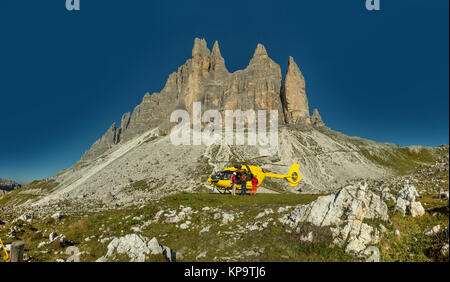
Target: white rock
pixel 253 227
pixel 136 229
pixel 264 213
pixel 432 230
pixel 41 244
pixel 187 210
pixel 250 253
pixel 201 255
pixel 397 233
pixel 444 250
pixel 408 193
pixel 383 229
pixel 133 245
pixel 283 209
pixel 406 202
pixel 104 240
pixel 185 225
pixel 416 209
pixel 402 205
pixel 154 246
pixel 57 215
pixel 52 236
pixel 372 253
pixel 158 216
pixel 205 229
pixel 227 218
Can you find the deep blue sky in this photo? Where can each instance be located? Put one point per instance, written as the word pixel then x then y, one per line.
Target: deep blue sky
pixel 66 76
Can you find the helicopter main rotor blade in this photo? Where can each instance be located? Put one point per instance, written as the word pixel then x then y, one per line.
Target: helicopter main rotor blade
pixel 273 164
pixel 260 157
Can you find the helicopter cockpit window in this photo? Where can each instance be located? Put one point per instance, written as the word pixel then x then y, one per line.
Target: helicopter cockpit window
pixel 224 175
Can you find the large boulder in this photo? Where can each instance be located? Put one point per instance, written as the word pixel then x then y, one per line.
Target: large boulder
pixel 137 248
pixel 347 213
pixel 416 209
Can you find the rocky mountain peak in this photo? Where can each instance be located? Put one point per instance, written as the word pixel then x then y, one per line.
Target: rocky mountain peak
pixel 260 51
pixel 200 48
pixel 216 50
pixel 260 56
pixel 217 64
pixel 205 78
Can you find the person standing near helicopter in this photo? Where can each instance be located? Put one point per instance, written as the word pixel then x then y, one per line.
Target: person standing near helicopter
pixel 254 184
pixel 233 184
pixel 244 184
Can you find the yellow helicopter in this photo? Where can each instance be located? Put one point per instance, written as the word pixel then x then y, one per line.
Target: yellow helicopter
pixel 222 179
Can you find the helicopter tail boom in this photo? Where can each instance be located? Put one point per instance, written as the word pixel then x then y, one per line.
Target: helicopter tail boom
pixel 293 175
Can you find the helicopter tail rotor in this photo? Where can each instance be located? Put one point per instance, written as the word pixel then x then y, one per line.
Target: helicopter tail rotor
pixel 293 176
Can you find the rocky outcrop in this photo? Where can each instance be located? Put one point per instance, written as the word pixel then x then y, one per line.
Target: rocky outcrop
pixel 293 94
pixel 137 248
pixel 205 78
pixel 406 202
pixel 109 139
pixel 348 213
pixel 316 119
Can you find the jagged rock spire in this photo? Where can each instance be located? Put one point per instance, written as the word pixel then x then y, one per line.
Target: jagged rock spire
pixel 293 94
pixel 217 67
pixel 200 48
pixel 216 50
pixel 316 119
pixel 204 78
pixel 259 55
pixel 260 51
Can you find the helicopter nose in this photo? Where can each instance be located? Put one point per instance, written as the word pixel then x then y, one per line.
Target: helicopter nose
pixel 210 180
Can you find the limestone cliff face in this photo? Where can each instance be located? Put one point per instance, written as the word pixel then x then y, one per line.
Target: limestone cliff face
pixel 109 139
pixel 257 87
pixel 293 95
pixel 205 78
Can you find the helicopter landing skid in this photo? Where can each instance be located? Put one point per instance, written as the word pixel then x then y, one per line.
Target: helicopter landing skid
pixel 222 190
